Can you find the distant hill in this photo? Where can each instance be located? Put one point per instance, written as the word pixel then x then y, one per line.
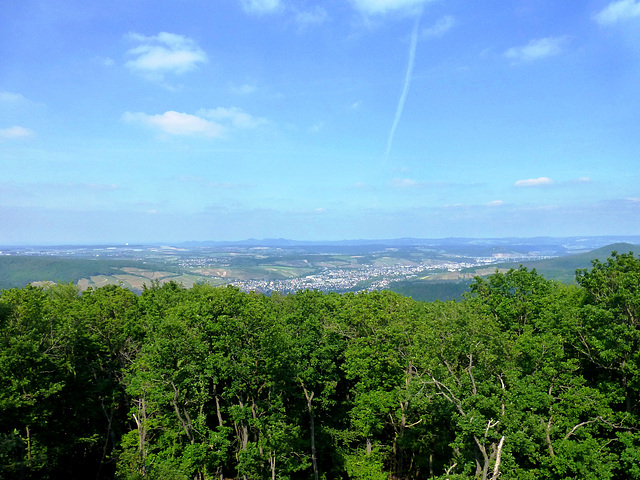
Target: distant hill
pixel 563 269
pixel 18 270
pixel 582 243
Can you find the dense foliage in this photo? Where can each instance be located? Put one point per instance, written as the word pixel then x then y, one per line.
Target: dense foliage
pixel 525 378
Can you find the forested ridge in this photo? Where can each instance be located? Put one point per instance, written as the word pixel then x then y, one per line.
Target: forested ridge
pixel 525 378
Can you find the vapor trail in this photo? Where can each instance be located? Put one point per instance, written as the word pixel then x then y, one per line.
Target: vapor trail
pixel 405 87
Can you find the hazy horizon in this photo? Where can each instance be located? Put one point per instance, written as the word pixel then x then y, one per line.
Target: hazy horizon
pixel 127 122
pixel 588 242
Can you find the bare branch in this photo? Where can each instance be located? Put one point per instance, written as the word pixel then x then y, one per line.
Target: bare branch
pixel 414 424
pixel 474 389
pixel 504 390
pixel 548 435
pixel 448 394
pixel 582 424
pixel 490 425
pixel 453 375
pixel 496 466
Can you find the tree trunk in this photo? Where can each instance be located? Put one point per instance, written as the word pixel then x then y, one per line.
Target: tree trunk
pixel 312 426
pixel 243 432
pixel 400 435
pixel 218 411
pixel 141 423
pixel 186 421
pixel 272 462
pixel 28 446
pixel 431 465
pixel 496 466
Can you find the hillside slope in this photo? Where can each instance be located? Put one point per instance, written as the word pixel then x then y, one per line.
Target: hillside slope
pixel 17 271
pixel 563 269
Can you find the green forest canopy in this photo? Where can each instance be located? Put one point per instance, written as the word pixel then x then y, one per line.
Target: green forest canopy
pixel 524 378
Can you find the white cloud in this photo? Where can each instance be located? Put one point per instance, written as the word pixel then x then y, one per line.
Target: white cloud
pixel 236 116
pixel 75 187
pixel 618 11
pixel 213 123
pixel 537 49
pixel 373 7
pixel 110 187
pixel 581 180
pixel 15 132
pixel 245 89
pixel 442 26
pixel 10 97
pixel 316 127
pixel 105 61
pixel 534 182
pixel 495 203
pixel 224 185
pixel 164 53
pixel 408 183
pixel 176 123
pixel 260 6
pixel 404 183
pixel 316 16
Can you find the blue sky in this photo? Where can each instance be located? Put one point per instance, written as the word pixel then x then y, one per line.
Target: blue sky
pixel 140 121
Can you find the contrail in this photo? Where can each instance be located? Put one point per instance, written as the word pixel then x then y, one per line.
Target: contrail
pixel 405 87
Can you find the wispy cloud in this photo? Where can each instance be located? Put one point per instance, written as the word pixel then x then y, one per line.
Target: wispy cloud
pixel 537 49
pixel 15 132
pixel 89 186
pixel 212 123
pixel 373 7
pixel 245 89
pixel 103 187
pixel 315 128
pixel 164 53
pixel 212 184
pixel 405 87
pixel 307 18
pixel 409 183
pixel 617 12
pixel 48 194
pixel 104 61
pixel 226 185
pixel 235 116
pixel 581 180
pixel 10 97
pixel 260 6
pixel 534 182
pixel 546 182
pixel 495 203
pixel 442 26
pixel 405 183
pixel 176 123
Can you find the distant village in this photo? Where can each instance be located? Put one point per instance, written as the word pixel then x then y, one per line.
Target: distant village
pixel 375 278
